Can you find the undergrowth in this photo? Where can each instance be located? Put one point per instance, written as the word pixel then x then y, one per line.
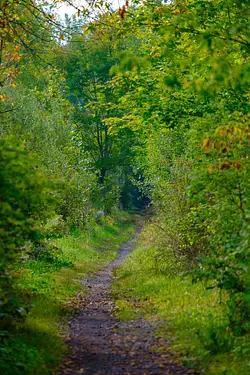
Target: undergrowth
pixel 195 317
pixel 34 344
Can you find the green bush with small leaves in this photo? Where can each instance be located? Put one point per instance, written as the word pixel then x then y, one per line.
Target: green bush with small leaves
pixel 26 202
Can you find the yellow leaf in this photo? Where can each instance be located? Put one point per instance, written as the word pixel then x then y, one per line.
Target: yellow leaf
pixel 3 98
pixel 205 142
pixel 211 169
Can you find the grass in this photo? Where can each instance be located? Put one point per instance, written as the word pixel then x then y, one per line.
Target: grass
pixel 194 318
pixel 35 345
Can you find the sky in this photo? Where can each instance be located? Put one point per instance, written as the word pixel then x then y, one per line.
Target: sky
pixel 70 10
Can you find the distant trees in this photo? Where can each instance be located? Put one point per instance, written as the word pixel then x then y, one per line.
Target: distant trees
pixel 87 61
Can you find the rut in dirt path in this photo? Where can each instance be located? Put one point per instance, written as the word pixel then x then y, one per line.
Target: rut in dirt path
pixel 101 345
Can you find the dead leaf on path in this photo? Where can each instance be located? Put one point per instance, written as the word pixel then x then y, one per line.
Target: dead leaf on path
pixel 81 371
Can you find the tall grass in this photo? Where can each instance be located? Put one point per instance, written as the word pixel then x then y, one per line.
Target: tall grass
pixel 193 318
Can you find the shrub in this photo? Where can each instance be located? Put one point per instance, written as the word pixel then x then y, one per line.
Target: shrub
pixel 26 202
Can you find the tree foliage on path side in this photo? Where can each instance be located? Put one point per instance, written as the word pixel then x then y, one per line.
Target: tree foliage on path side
pixel 186 75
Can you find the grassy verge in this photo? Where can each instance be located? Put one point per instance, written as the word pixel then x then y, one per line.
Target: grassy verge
pixel 195 320
pixel 34 346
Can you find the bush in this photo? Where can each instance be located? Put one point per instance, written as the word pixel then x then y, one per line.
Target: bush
pixel 26 202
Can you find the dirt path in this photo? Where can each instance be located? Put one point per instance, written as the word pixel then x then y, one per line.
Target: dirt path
pixel 101 345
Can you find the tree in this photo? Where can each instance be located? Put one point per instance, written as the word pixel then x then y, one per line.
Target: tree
pixel 88 60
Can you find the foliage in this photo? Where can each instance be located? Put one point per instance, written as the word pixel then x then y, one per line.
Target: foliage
pixel 88 59
pixel 151 101
pixel 25 197
pixel 188 93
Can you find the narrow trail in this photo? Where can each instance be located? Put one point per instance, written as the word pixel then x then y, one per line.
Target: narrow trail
pixel 101 345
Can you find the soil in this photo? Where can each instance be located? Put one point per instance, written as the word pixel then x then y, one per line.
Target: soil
pixel 99 344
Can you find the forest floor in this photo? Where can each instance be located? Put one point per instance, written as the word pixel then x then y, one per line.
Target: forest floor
pixel 100 344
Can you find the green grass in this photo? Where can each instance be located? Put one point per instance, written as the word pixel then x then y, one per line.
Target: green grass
pixel 35 345
pixel 195 319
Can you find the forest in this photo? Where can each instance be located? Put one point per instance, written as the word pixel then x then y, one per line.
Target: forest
pixel 120 121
